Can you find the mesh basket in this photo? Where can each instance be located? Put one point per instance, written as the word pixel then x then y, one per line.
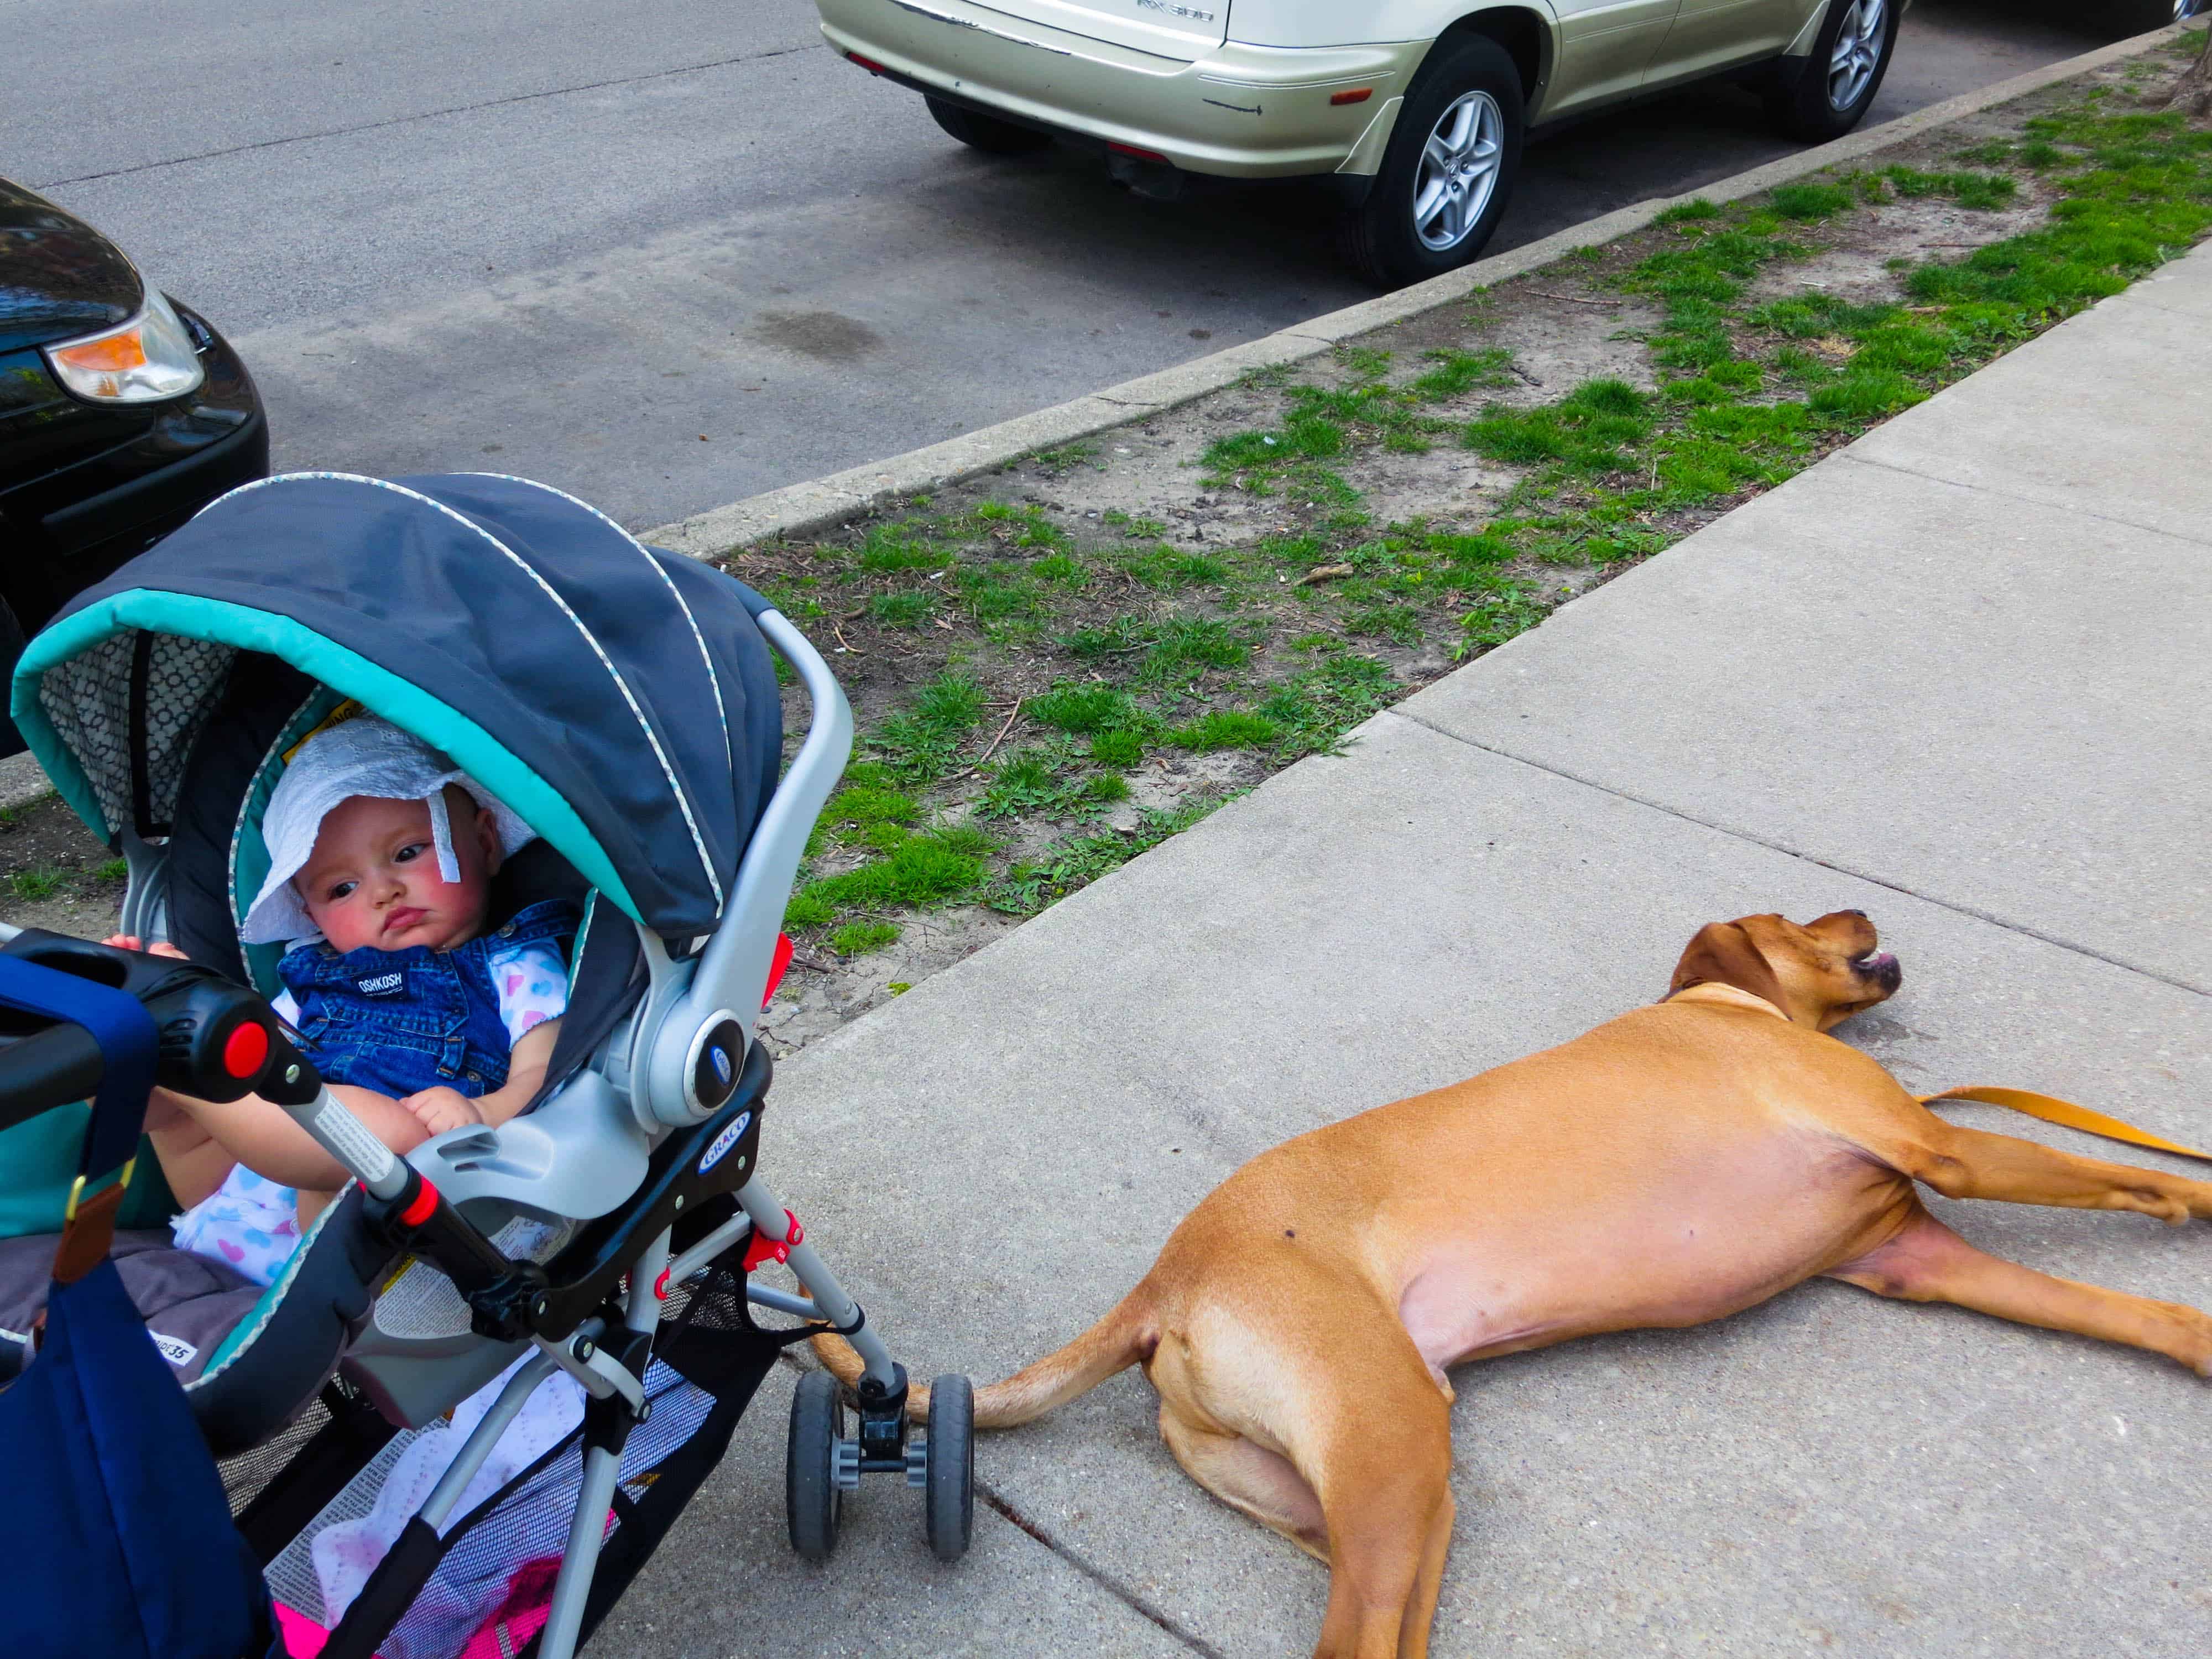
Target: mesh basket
pixel 489 1595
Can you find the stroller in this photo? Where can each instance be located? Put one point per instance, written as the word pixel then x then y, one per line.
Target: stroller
pixel 624 701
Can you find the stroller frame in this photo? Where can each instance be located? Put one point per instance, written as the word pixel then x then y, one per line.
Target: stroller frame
pixel 673 1090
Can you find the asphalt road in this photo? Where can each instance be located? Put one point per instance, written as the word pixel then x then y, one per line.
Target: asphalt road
pixel 670 253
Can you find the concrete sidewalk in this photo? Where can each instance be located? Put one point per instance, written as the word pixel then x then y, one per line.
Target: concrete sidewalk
pixel 1958 675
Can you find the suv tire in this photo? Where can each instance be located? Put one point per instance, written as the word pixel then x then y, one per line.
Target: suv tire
pixel 2142 17
pixel 1448 171
pixel 986 133
pixel 1850 56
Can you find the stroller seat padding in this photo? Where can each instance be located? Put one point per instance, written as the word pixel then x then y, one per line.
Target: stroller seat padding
pixel 190 1303
pixel 250 1359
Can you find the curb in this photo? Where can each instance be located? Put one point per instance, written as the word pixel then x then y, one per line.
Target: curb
pixel 22 782
pixel 823 503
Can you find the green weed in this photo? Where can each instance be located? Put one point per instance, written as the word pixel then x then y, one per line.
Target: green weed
pixel 890 548
pixel 1812 201
pixel 1083 710
pixel 37 884
pixel 1119 750
pixel 1079 860
pixel 1223 728
pixel 922 871
pixel 1065 458
pixel 1184 648
pixel 1968 190
pixel 1457 372
pixel 1028 782
pixel 1167 567
pixel 1583 432
pixel 1510 609
pixel 901 609
pixel 858 937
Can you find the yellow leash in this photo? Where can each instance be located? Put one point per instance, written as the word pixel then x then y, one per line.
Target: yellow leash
pixel 2051 1109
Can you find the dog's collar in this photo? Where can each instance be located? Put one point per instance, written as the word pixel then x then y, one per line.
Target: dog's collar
pixel 1712 990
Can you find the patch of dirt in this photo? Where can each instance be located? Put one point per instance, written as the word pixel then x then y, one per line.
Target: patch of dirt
pixel 1856 262
pixel 52 872
pixel 1559 332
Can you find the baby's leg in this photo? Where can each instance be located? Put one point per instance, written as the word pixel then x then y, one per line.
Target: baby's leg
pixel 262 1136
pixel 193 1162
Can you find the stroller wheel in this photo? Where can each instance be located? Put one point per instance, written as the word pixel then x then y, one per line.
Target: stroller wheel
pixel 951 1486
pixel 812 1500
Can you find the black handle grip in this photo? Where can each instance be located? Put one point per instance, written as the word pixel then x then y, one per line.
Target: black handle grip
pixel 45 1070
pixel 219 1041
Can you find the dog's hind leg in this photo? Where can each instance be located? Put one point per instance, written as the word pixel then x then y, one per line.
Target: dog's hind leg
pixel 1926 1262
pixel 1301 1399
pixel 1378 1454
pixel 1247 1476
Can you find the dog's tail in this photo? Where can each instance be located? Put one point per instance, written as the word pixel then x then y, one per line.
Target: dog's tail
pixel 1123 1337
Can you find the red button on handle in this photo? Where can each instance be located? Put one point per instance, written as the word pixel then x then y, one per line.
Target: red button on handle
pixel 246 1051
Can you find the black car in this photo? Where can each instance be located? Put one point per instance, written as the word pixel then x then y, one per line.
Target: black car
pixel 121 415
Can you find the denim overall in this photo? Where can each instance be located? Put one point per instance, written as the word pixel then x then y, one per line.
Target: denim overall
pixel 400 1021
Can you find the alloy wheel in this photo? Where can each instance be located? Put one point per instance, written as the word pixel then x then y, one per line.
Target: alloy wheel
pixel 1858 50
pixel 1458 171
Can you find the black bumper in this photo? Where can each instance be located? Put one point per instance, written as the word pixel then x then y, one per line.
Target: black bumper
pixel 84 489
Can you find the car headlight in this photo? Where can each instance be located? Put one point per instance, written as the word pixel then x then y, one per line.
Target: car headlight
pixel 146 360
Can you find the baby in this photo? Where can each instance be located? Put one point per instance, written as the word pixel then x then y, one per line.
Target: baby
pixel 382 861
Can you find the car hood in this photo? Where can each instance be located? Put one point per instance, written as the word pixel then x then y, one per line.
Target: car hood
pixel 59 276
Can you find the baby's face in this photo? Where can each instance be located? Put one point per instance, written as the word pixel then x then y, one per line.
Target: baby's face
pixel 373 876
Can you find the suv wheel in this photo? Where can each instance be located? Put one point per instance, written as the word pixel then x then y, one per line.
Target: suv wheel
pixel 986 133
pixel 2142 17
pixel 1448 171
pixel 1850 57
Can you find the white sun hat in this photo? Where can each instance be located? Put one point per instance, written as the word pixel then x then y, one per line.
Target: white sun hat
pixel 364 755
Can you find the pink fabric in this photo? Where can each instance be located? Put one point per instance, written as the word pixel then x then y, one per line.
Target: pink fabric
pixel 303 1637
pixel 529 1601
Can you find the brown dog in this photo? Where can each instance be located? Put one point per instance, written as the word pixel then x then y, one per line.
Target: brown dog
pixel 1674 1165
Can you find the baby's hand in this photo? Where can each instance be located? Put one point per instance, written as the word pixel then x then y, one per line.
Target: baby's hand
pixel 130 942
pixel 440 1109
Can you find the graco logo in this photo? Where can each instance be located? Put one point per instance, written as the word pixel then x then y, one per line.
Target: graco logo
pixel 382 985
pixel 724 1141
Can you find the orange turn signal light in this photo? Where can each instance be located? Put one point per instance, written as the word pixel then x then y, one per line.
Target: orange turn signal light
pixel 114 353
pixel 1355 95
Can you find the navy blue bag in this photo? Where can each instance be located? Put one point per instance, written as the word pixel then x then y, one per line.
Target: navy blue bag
pixel 116 1537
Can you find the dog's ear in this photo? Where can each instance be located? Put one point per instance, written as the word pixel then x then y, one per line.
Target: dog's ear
pixel 1723 954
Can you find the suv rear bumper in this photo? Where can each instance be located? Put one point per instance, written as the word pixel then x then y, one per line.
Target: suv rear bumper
pixel 1238 112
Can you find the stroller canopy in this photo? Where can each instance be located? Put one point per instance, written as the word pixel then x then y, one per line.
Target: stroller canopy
pixel 618 698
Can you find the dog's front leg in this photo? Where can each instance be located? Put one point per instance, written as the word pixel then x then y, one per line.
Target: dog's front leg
pixel 1962 1162
pixel 1926 1262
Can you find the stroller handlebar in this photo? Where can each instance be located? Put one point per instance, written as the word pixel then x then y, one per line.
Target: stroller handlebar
pixel 218 1041
pixel 45 1069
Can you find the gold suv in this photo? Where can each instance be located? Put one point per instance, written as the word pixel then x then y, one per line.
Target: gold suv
pixel 1416 107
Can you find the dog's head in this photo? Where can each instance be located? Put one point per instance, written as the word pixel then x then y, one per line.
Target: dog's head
pixel 1819 974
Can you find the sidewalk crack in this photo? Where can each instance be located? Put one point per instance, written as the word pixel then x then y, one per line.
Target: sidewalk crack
pixel 1105 1580
pixel 2071 508
pixel 1867 876
pixel 428 115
